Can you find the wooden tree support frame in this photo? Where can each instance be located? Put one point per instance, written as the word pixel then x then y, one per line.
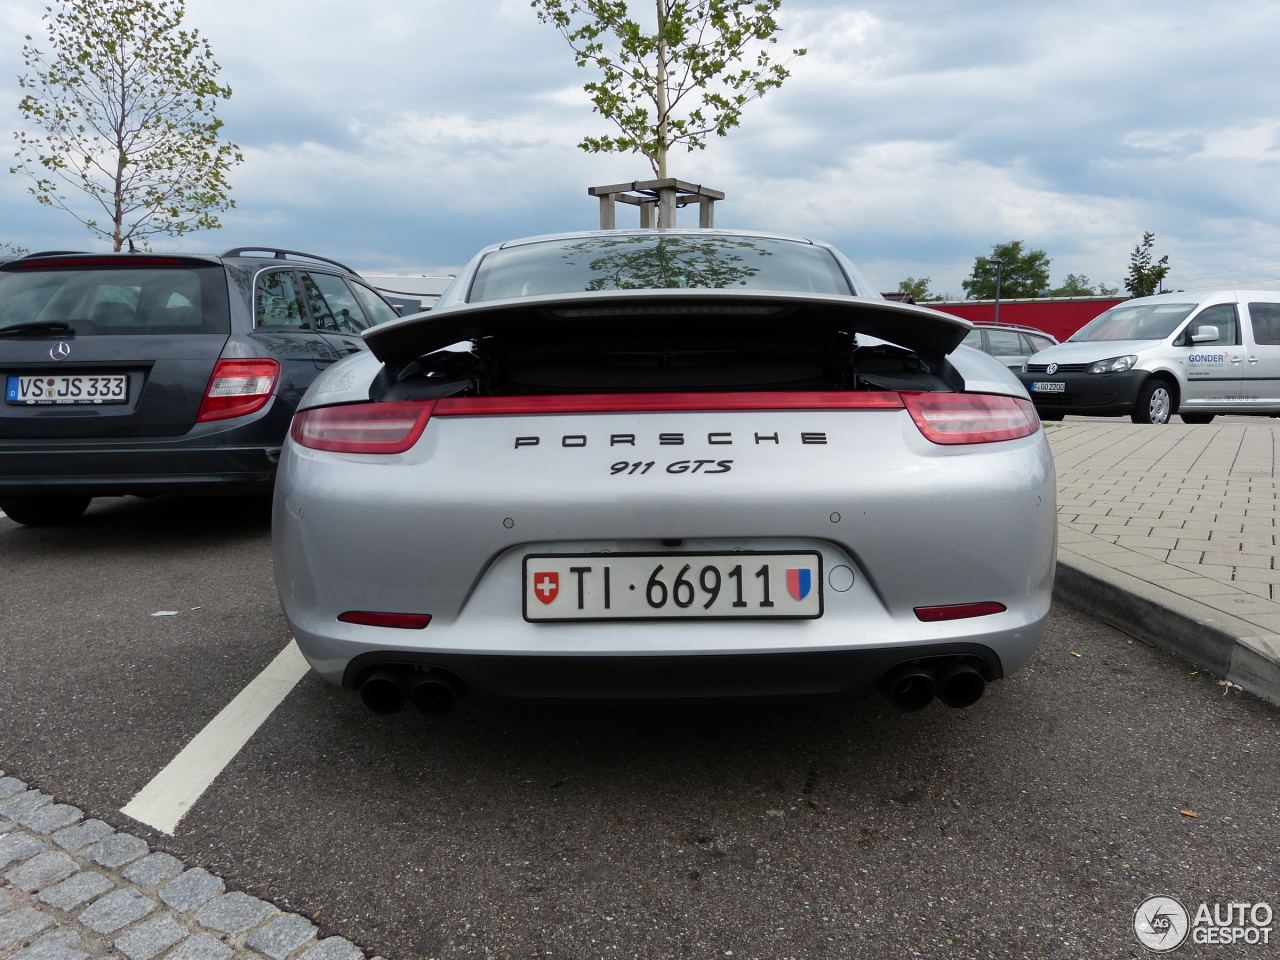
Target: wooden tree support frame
pixel 661 197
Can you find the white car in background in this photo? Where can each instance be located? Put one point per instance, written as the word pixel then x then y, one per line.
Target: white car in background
pixel 1194 354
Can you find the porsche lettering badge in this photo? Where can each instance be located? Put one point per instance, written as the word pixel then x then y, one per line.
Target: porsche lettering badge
pixel 716 438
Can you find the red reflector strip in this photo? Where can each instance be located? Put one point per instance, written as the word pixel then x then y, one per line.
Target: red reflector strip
pixel 363 427
pixel 949 418
pixel 402 621
pixel 237 388
pixel 660 402
pixel 959 611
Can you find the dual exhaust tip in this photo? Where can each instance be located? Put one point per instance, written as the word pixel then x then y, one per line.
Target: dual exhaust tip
pixel 912 686
pixel 908 686
pixel 433 694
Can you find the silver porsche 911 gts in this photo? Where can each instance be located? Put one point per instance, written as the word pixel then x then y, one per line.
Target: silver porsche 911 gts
pixel 681 463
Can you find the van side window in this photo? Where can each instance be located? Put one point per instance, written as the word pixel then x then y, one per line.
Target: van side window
pixel 1222 316
pixel 1266 323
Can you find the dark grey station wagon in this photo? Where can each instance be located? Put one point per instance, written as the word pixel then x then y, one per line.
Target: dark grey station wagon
pixel 162 373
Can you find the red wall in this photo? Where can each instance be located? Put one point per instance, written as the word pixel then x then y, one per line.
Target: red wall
pixel 1061 318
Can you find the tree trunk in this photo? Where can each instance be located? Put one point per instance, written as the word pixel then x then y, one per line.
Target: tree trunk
pixel 117 231
pixel 661 93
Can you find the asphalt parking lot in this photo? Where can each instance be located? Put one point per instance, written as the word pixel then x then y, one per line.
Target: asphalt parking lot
pixel 1031 824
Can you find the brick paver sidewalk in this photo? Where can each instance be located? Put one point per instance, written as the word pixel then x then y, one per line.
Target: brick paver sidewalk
pixel 1187 509
pixel 76 889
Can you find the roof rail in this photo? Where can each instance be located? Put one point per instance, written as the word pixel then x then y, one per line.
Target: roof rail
pixel 1008 326
pixel 281 254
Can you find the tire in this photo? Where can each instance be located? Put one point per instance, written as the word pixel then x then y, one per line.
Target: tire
pixel 1197 417
pixel 44 511
pixel 1154 403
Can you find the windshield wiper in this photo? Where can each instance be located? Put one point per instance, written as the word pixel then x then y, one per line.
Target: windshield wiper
pixel 45 326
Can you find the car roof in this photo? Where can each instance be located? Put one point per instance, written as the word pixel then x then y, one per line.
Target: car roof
pixel 1020 328
pixel 1199 297
pixel 268 255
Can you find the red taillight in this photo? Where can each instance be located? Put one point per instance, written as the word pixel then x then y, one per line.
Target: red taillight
pixel 238 387
pixel 971 417
pixel 401 621
pixel 959 611
pixel 363 427
pixel 664 402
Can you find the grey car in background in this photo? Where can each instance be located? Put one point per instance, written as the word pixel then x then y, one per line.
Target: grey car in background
pixel 149 373
pixel 698 463
pixel 1009 343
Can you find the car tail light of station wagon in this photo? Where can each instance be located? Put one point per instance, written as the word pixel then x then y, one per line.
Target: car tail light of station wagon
pixel 237 388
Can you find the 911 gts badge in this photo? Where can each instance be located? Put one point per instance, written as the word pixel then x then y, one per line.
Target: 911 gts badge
pixel 546 586
pixel 799 583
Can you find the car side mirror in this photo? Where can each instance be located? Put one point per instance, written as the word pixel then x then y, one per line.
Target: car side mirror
pixel 1205 335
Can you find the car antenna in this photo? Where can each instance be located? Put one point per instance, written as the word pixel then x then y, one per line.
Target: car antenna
pixel 132 248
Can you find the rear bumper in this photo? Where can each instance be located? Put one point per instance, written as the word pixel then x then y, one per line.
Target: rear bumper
pixel 1096 394
pixel 236 456
pixel 828 673
pixel 239 460
pixel 117 472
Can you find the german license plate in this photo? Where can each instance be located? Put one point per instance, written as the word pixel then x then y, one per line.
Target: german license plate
pixel 77 388
pixel 1048 386
pixel 673 586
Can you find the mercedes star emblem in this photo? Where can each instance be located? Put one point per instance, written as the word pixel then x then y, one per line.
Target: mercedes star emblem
pixel 60 351
pixel 1050 369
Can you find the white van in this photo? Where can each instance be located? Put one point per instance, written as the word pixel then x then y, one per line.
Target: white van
pixel 1194 354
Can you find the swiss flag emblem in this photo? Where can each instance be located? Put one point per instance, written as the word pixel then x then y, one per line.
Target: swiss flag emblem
pixel 546 586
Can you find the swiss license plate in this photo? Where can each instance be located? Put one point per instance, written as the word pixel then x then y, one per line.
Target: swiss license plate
pixel 673 586
pixel 1048 386
pixel 76 388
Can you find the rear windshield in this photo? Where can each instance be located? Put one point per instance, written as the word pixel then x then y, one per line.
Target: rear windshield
pixel 113 301
pixel 1143 321
pixel 657 262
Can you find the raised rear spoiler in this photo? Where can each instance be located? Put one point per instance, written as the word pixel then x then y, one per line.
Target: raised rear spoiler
pixel 639 318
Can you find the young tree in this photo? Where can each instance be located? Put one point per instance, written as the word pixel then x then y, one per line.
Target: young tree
pixel 1074 286
pixel 1144 277
pixel 917 290
pixel 124 100
pixel 681 82
pixel 1023 273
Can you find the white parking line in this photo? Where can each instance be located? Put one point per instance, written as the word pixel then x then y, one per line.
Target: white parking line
pixel 175 789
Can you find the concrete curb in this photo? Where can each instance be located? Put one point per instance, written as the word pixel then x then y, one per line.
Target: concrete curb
pixel 1223 644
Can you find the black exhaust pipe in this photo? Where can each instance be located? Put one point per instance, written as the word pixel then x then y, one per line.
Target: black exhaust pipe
pixel 436 694
pixel 959 685
pixel 385 691
pixel 908 686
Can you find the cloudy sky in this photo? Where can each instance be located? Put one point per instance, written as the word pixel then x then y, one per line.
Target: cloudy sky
pixel 400 137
